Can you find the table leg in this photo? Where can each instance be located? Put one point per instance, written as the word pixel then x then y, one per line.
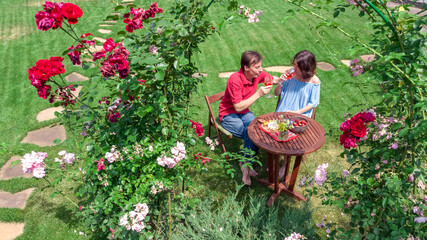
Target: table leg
pixel 276 159
pixel 294 173
pixel 271 168
pixel 287 160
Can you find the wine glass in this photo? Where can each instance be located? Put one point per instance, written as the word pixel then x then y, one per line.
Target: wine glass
pixel 267 82
pixel 289 73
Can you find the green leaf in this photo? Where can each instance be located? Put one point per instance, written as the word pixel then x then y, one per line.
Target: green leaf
pixel 370 181
pixel 396 126
pixel 165 131
pixel 403 132
pixel 57 141
pixel 160 75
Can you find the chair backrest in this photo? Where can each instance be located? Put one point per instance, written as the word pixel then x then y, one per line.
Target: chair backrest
pixel 313 114
pixel 211 99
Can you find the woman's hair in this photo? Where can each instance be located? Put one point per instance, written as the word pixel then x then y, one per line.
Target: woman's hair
pixel 306 62
pixel 249 58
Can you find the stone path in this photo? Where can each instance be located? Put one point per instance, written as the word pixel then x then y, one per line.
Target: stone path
pixel 6 172
pixel 324 66
pixel 17 200
pixel 10 231
pixel 44 137
pixel 104 31
pixel 105 25
pixel 48 114
pixel 110 21
pixel 75 77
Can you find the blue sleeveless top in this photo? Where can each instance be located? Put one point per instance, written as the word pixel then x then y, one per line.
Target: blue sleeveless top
pixel 296 95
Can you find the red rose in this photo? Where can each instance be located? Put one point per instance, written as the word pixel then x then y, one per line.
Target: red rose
pixel 85 35
pixel 358 127
pixel 109 45
pixel 44 91
pixel 44 21
pixel 71 12
pixel 98 55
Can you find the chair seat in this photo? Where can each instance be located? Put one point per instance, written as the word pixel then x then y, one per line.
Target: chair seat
pixel 221 128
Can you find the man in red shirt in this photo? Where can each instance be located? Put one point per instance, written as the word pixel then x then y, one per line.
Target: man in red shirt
pixel 241 92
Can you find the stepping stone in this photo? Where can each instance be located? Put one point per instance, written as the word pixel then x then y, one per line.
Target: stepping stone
pixel 110 21
pixel 10 231
pixel 280 69
pixel 225 75
pixel 412 10
pixel 104 25
pixel 93 49
pixel 77 92
pixel 7 172
pixel 115 14
pixel 104 31
pixel 17 200
pixel 325 66
pixel 99 39
pixel 48 114
pixel 196 75
pixel 127 0
pixel 368 58
pixel 75 77
pixel 45 136
pixel 346 62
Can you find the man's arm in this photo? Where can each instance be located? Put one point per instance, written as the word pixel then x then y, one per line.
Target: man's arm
pixel 242 105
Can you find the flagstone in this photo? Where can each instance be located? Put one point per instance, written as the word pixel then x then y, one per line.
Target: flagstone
pixel 77 92
pixel 75 77
pixel 325 66
pixel 412 10
pixel 17 200
pixel 102 40
pixel 48 113
pixel 115 14
pixel 105 25
pixel 104 31
pixel 225 74
pixel 346 62
pixel 10 231
pixel 110 21
pixel 45 136
pixel 8 172
pixel 280 69
pixel 127 0
pixel 368 58
pixel 196 75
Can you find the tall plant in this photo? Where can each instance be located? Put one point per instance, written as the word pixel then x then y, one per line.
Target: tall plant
pixel 384 189
pixel 137 136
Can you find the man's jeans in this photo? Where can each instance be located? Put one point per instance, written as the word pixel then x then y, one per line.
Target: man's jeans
pixel 237 124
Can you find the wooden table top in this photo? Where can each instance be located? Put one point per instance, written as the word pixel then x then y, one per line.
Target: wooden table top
pixel 307 142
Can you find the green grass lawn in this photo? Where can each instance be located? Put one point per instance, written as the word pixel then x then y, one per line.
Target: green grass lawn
pixel 22 44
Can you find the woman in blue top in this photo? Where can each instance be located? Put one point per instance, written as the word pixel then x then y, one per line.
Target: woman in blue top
pixel 301 93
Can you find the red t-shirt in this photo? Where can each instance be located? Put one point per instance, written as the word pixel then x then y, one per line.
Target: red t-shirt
pixel 238 89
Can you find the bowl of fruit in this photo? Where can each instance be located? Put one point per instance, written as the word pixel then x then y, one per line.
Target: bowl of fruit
pixel 299 124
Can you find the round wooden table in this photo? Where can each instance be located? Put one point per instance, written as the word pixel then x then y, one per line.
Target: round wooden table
pixel 307 142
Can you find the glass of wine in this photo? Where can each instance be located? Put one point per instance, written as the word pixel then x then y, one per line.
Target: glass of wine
pixel 267 82
pixel 290 73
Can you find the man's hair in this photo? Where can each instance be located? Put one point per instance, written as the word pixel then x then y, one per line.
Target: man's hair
pixel 249 58
pixel 306 62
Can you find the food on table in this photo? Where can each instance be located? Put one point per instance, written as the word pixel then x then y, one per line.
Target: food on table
pixel 299 123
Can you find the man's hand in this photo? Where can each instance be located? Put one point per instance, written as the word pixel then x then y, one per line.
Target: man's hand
pixel 264 90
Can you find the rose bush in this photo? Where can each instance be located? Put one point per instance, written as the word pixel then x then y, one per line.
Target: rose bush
pixel 383 191
pixel 137 138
